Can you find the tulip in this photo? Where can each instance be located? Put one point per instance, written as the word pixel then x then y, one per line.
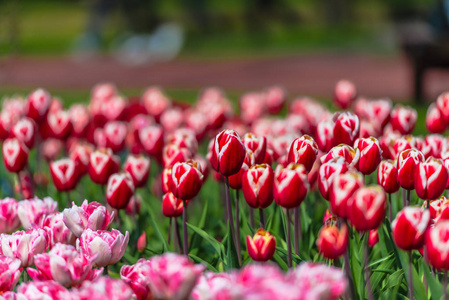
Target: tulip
pixel 102 164
pixel 59 124
pixel 290 185
pixel 438 207
pixel 80 118
pixel 346 128
pixel 119 190
pixel 152 139
pixel 171 119
pixel 204 164
pixel 436 143
pixel 165 180
pixel 370 155
pixel 328 217
pixel 38 104
pixel 115 133
pixel 275 98
pixel 172 276
pixel 50 290
pixel 171 206
pixel 436 246
pixel 261 246
pixel 430 179
pixel 228 153
pixel 186 180
pixel 257 145
pixel 24 245
pixel 155 102
pixel 142 242
pixel 403 119
pixel 345 93
pixel 172 154
pixel 80 154
pixel 407 163
pixel 435 120
pixel 343 187
pixel 184 138
pixel 62 264
pixel 409 227
pixel 24 130
pixel 137 277
pixel 324 135
pixel 64 174
pixel 103 247
pixel 15 155
pixel 350 155
pixel 442 104
pixel 366 208
pixel 387 176
pixel 303 151
pixel 333 242
pixel 215 285
pixel 32 212
pixel 373 238
pixel 87 216
pixel 9 218
pixel 134 205
pixel 328 172
pixel 139 169
pixel 257 186
pixel 104 288
pixel 10 270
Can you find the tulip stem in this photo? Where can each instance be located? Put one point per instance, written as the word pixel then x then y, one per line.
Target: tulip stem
pixel 237 221
pixel 169 230
pixel 348 266
pixel 19 182
pixel 409 200
pixel 184 227
pixel 261 218
pixel 367 271
pixel 298 234
pixel 410 275
pixel 25 276
pixel 445 285
pixel 289 239
pixel 177 235
pixel 230 218
pixel 404 198
pixel 69 201
pixel 390 211
pixel 251 217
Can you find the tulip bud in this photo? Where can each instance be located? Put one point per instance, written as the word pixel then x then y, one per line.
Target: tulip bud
pixel 403 119
pixel 436 143
pixel 346 128
pixel 350 155
pixel 343 187
pixel 139 169
pixel 366 208
pixel 152 139
pixel 38 104
pixel 172 206
pixel 437 207
pixel 407 163
pixel 290 185
pixel 387 176
pixel 228 153
pixel 15 155
pixel 64 174
pixel 119 190
pixel 25 131
pixel 258 146
pixel 142 242
pixel 373 238
pixel 436 241
pixel 328 171
pixel 257 186
pixel 409 227
pixel 102 164
pixel 431 177
pixel 333 242
pixel 186 180
pixel 435 121
pixel 303 151
pixel 370 154
pixel 262 246
pixel 345 93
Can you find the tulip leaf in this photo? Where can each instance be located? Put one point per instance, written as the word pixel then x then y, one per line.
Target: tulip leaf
pixel 219 248
pixel 433 284
pixel 281 262
pixel 418 287
pixel 157 230
pixel 231 255
pixel 196 259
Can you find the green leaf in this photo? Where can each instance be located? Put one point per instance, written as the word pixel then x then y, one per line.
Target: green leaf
pixel 232 261
pixel 433 284
pixel 281 262
pixel 219 248
pixel 202 261
pixel 158 231
pixel 204 214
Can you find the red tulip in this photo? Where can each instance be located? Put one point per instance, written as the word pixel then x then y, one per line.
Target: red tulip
pixel 228 153
pixel 173 154
pixel 346 128
pixel 443 104
pixel 366 208
pixel 328 171
pixel 431 178
pixel 38 104
pixel 387 176
pixel 262 246
pixel 139 169
pixel 370 154
pixel 64 174
pixel 204 165
pixel 172 206
pixel 387 142
pixel 102 164
pixel 142 242
pixel 290 185
pixel 80 118
pixel 403 119
pixel 184 138
pixel 171 119
pixel 186 180
pixel 119 190
pixel 235 181
pixel 152 139
pixel 165 180
pixel 343 187
pixel 373 238
pixel 437 207
pixel 333 242
pixel 409 227
pixel 80 154
pixel 350 155
pixel 51 149
pixel 26 186
pixel 328 218
pixel 436 245
pixel 303 151
pixel 403 143
pixel 435 120
pixel 275 98
pixel 258 146
pixel 435 142
pixel 407 163
pixel 15 155
pixel 345 93
pixel 115 133
pixel 25 131
pixel 257 186
pixel 59 124
pixel 155 102
pixel 324 135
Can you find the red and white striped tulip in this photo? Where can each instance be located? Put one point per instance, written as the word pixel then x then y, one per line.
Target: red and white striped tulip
pixel 403 119
pixel 387 176
pixel 409 227
pixel 186 180
pixel 15 155
pixel 138 166
pixel 171 206
pixel 345 94
pixel 152 139
pixel 366 208
pixel 328 171
pixel 437 246
pixel 290 185
pixel 261 246
pixel 333 242
pixel 119 190
pixel 228 153
pixel 370 154
pixel 258 146
pixel 25 131
pixel 102 164
pixel 346 128
pixel 407 163
pixel 343 187
pixel 38 104
pixel 115 133
pixel 64 174
pixel 304 151
pixel 350 155
pixel 257 186
pixel 435 120
pixel 431 178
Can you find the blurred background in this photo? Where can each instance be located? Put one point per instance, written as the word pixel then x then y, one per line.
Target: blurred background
pixel 388 48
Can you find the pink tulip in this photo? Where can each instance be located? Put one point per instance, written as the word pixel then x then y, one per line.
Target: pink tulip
pixel 217 286
pixel 137 277
pixel 57 231
pixel 104 247
pixel 32 212
pixel 9 218
pixel 10 270
pixel 37 290
pixel 104 288
pixel 23 245
pixel 89 215
pixel 63 264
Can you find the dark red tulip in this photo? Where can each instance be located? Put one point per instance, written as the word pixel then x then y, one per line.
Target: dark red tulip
pixel 431 178
pixel 303 151
pixel 290 185
pixel 186 180
pixel 228 153
pixel 119 190
pixel 370 155
pixel 408 161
